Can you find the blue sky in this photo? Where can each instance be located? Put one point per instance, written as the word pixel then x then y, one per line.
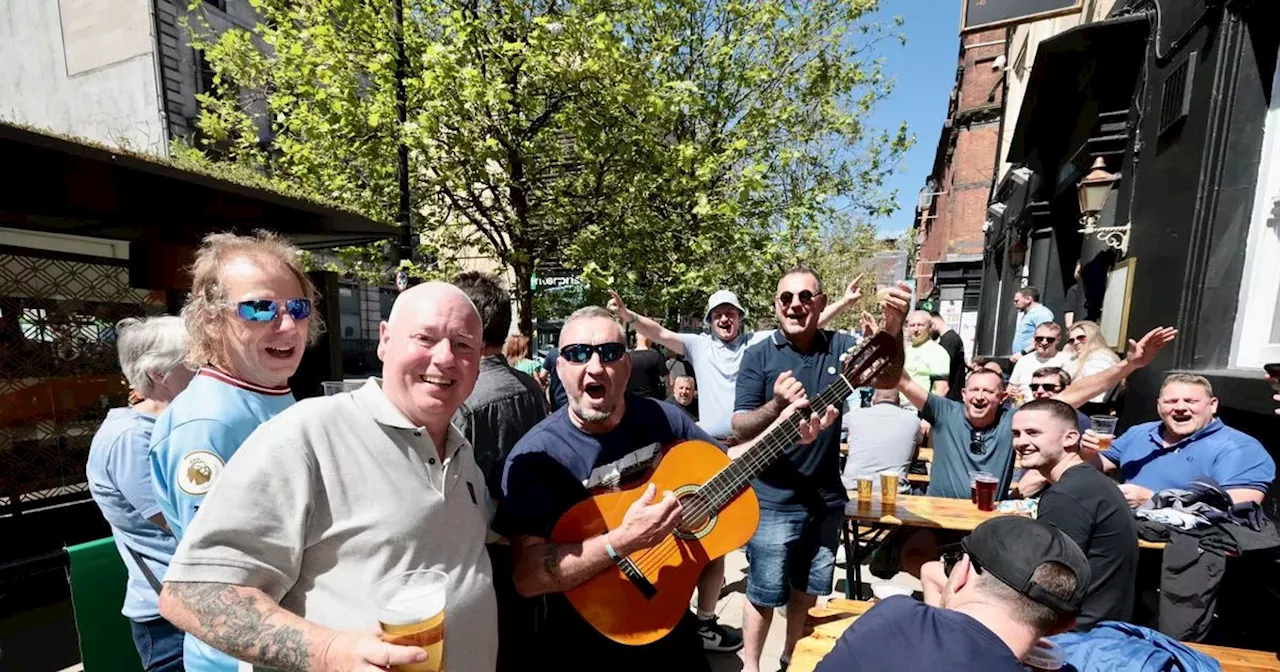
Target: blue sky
pixel 925 72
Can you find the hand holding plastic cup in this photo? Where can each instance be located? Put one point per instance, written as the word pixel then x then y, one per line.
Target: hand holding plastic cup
pixel 1105 427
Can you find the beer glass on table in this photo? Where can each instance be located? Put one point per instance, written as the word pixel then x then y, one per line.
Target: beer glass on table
pixel 985 491
pixel 889 487
pixel 411 609
pixel 1105 427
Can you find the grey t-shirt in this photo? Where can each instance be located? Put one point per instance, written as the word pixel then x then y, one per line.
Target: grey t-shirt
pixel 504 405
pixel 337 493
pixel 715 365
pixel 882 437
pixel 953 460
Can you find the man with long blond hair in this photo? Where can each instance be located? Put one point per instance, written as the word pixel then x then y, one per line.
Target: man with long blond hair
pixel 249 317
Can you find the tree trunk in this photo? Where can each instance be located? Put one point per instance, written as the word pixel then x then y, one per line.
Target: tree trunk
pixel 403 210
pixel 524 291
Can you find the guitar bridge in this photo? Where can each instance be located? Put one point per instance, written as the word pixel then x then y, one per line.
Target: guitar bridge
pixel 637 578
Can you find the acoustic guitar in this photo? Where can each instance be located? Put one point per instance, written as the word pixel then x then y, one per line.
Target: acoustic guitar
pixel 646 594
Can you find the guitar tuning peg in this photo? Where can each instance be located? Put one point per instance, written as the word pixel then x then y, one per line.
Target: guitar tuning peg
pixel 844 356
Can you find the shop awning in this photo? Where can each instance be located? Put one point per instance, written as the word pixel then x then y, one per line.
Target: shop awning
pixel 1086 70
pixel 55 184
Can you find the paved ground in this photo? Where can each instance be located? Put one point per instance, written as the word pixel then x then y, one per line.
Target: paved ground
pixel 730 610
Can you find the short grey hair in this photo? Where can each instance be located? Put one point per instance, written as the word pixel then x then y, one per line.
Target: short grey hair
pixel 590 313
pixel 151 346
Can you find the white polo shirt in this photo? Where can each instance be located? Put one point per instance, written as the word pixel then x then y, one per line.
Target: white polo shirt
pixel 716 364
pixel 336 493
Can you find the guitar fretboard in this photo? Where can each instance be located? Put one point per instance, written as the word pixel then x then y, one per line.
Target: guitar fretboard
pixel 724 486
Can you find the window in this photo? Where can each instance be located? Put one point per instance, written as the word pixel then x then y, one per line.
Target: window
pixel 349 311
pixel 1257 328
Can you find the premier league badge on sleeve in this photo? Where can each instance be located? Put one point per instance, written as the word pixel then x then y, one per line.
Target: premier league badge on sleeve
pixel 197 471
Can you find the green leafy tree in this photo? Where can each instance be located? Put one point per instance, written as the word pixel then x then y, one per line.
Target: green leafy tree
pixel 763 147
pixel 663 148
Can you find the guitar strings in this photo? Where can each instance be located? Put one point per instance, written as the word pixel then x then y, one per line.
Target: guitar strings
pixel 770 447
pixel 651 559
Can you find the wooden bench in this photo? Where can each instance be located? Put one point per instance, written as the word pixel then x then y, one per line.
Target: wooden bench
pixel 1239 660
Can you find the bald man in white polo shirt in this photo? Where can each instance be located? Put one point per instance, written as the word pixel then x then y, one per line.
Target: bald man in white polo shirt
pixel 339 492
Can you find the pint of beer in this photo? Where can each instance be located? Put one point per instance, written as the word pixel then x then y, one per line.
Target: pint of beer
pixel 411 613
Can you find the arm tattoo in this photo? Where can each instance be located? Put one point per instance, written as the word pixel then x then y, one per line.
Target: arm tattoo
pixel 244 625
pixel 551 561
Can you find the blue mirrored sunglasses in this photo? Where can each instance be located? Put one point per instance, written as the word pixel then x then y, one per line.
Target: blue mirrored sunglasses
pixel 262 310
pixel 580 353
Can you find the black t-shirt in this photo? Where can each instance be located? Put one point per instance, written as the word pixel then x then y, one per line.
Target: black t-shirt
pixel 556 396
pixel 1088 507
pixel 902 634
pixel 555 466
pixel 951 342
pixel 691 409
pixel 648 375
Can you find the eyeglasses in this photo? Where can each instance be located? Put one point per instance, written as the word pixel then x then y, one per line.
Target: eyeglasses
pixel 1079 338
pixel 1047 387
pixel 976 445
pixel 805 296
pixel 263 310
pixel 1046 339
pixel 580 353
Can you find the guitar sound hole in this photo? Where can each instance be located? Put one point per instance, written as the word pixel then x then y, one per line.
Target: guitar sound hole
pixel 696 516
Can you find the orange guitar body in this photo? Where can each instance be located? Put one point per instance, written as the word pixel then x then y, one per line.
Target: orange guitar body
pixel 613 603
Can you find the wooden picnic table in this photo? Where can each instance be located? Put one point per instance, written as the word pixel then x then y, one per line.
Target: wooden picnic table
pixel 940 513
pixel 813 647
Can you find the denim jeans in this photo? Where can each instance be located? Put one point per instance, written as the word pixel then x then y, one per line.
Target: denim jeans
pixel 159 645
pixel 792 550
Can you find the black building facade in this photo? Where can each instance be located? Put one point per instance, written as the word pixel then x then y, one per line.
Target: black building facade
pixel 1176 97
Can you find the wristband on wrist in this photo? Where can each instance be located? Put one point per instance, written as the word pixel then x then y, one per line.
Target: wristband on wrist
pixel 613 554
pixel 635 317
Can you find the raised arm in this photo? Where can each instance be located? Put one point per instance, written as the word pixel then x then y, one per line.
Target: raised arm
pixel 651 329
pixel 833 310
pixel 918 396
pixel 1140 354
pixel 247 624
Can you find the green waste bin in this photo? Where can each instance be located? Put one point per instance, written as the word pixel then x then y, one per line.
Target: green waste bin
pixel 98 578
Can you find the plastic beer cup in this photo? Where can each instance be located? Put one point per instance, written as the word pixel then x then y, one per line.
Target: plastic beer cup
pixel 411 608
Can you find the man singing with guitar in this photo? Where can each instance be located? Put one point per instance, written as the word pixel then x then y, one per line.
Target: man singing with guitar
pixel 791 558
pixel 605 438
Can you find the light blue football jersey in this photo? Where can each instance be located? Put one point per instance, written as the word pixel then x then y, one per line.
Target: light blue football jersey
pixel 190 445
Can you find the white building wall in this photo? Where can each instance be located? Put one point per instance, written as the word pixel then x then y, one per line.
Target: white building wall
pixel 82 67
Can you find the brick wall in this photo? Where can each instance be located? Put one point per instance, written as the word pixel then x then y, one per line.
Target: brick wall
pixel 968 146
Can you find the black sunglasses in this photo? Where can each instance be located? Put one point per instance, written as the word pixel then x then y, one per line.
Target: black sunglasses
pixel 805 296
pixel 976 445
pixel 1046 339
pixel 580 353
pixel 1079 338
pixel 1047 387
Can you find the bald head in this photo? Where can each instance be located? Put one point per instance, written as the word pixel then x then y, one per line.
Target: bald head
pixel 421 296
pixel 430 348
pixel 918 324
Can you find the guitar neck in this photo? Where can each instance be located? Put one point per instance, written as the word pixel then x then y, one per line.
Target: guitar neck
pixel 731 480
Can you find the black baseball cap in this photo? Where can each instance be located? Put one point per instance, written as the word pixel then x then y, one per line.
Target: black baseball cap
pixel 1013 547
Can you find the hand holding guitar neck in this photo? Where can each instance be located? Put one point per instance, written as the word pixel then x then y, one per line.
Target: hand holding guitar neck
pixel 810 425
pixel 646 522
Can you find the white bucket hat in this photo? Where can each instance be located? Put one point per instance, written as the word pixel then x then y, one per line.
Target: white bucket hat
pixel 720 298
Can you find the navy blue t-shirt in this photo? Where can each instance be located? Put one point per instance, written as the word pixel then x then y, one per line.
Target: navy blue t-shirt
pixel 553 467
pixel 806 477
pixel 900 633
